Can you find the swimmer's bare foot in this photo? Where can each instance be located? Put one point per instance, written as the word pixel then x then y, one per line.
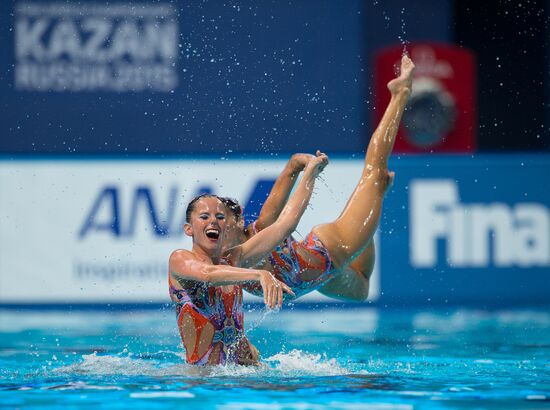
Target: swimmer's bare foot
pixel 403 83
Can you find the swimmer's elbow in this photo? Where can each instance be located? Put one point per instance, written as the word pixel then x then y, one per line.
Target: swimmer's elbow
pixel 288 226
pixel 281 229
pixel 207 273
pixel 215 275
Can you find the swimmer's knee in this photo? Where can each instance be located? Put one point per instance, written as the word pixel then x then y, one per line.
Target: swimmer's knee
pixel 384 179
pixel 379 177
pixel 362 284
pixel 349 285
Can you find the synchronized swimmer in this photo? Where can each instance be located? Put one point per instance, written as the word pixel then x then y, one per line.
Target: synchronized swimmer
pixel 335 258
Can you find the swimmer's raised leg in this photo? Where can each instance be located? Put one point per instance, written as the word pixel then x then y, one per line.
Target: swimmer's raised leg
pixel 353 281
pixel 351 234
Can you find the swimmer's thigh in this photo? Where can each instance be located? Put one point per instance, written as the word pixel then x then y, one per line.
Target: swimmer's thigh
pixel 349 235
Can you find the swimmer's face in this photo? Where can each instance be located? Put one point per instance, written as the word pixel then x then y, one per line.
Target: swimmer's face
pixel 207 225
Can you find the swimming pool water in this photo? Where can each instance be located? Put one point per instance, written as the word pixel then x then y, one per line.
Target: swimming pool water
pixel 343 358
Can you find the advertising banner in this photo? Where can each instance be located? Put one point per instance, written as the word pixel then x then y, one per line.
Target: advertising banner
pixel 468 230
pixel 454 229
pixel 75 47
pixel 441 112
pixel 102 231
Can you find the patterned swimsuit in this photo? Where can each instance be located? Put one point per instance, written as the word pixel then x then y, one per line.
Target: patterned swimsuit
pixel 205 304
pixel 289 265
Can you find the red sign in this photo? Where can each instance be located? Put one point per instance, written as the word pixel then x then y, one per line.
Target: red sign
pixel 441 113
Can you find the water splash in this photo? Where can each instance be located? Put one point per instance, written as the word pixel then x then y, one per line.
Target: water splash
pixel 258 321
pixel 108 365
pixel 403 36
pixel 294 363
pixel 298 363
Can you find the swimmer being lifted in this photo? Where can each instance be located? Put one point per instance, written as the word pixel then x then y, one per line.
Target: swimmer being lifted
pixel 206 283
pixel 336 258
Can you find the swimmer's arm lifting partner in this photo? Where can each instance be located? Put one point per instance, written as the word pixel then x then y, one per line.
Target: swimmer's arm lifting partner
pixel 280 192
pixel 184 265
pixel 256 248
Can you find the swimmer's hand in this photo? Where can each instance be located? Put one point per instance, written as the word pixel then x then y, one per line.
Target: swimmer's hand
pixel 247 354
pixel 299 161
pixel 273 289
pixel 317 164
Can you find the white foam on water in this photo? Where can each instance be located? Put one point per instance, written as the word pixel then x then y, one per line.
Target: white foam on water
pixel 297 362
pixel 233 370
pixel 314 406
pixel 461 389
pixel 162 394
pixel 536 397
pixel 81 386
pixel 484 361
pixel 293 363
pixel 120 365
pixel 419 393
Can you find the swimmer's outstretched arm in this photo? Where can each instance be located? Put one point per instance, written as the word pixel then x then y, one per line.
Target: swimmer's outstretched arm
pixel 184 265
pixel 280 192
pixel 256 248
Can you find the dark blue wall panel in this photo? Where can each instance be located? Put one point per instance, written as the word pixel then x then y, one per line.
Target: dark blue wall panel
pixel 255 77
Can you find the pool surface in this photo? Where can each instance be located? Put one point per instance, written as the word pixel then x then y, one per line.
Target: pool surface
pixel 344 358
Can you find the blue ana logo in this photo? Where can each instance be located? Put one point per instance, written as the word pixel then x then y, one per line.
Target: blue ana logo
pixel 105 214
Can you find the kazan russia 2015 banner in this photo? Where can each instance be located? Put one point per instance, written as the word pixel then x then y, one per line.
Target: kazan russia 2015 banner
pixel 95 46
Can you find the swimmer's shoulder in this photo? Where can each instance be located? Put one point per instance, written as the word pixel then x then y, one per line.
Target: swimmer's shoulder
pixel 180 257
pixel 185 266
pixel 182 254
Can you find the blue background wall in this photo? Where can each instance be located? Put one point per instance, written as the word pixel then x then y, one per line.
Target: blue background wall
pixel 253 77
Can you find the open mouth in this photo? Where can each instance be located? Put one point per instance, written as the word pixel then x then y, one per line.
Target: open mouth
pixel 212 233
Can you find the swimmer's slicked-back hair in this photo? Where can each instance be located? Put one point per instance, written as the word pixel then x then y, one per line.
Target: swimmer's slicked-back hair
pixel 193 203
pixel 234 206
